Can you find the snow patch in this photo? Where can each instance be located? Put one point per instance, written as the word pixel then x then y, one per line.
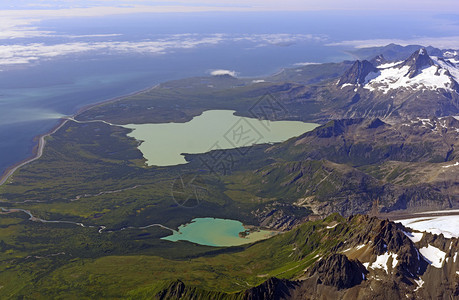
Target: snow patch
pixel 426 122
pixel 433 255
pixel 355 248
pixel 414 236
pixel 450 53
pixel 438 211
pixel 432 78
pixel 382 261
pixel 453 70
pixel 454 165
pixel 346 84
pixel 330 227
pixel 420 283
pixel 258 81
pixel 360 246
pixel 388 65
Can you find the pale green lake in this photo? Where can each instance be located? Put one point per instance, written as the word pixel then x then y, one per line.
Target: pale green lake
pixel 163 144
pixel 216 232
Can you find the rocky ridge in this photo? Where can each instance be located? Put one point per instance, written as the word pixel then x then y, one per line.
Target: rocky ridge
pixel 378 260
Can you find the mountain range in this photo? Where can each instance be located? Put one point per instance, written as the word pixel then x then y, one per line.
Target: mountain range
pixel 419 86
pixel 86 219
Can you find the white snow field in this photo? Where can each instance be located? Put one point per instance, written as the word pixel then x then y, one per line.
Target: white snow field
pixel 446 225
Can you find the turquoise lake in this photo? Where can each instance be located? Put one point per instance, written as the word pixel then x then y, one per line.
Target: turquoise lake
pixel 216 232
pixel 164 144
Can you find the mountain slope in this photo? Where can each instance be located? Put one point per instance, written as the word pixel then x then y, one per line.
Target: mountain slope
pixel 357 73
pixel 347 166
pixel 377 260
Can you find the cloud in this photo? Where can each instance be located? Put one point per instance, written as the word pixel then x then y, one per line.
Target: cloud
pixel 11 28
pixel 32 52
pixel 303 64
pixel 439 42
pixel 16 54
pixel 222 72
pixel 281 39
pixel 87 35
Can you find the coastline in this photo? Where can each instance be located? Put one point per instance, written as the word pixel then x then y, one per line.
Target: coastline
pixel 37 150
pixel 90 106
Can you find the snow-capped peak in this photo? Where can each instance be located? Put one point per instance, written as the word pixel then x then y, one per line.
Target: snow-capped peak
pixel 417 62
pixel 357 73
pixel 418 72
pixel 451 53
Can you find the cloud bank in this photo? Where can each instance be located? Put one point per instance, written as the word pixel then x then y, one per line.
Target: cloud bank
pixel 25 53
pixel 450 42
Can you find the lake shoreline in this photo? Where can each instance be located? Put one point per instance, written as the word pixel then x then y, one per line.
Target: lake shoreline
pixel 213 129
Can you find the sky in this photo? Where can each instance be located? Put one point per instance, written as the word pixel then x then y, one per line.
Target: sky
pixel 92 7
